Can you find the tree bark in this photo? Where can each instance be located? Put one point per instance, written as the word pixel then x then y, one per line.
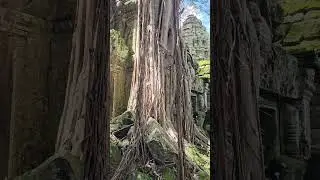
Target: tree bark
pixel 84 125
pixel 239 153
pixel 161 81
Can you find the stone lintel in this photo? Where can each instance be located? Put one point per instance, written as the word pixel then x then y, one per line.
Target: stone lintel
pixel 23 24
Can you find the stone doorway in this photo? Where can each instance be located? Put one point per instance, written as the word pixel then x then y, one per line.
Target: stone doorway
pixel 268 131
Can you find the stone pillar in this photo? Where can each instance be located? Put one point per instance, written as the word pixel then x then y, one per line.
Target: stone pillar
pixel 57 78
pixel 292 135
pixel 307 93
pixel 29 51
pixel 119 105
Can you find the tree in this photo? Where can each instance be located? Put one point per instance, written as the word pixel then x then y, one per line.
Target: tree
pixel 160 86
pixel 239 153
pixel 83 129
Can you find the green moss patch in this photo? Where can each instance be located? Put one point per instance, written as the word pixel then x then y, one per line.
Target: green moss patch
pixel 201 159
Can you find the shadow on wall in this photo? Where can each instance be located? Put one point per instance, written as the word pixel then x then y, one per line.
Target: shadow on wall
pixel 313 168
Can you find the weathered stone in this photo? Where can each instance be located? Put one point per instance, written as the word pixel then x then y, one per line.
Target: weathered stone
pixel 66 167
pixel 313 14
pixel 280 32
pixel 304 46
pixel 30 58
pixel 39 66
pixel 121 72
pixel 196 38
pixel 293 18
pixel 303 34
pixel 21 23
pixel 162 148
pixel 294 6
pixel 115 155
pixel 295 34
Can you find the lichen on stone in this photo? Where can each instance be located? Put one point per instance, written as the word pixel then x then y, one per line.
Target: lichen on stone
pixel 204 69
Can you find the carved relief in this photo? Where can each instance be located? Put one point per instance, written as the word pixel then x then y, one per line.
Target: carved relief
pixel 280 74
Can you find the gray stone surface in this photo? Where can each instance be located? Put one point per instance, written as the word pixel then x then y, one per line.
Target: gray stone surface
pixel 196 38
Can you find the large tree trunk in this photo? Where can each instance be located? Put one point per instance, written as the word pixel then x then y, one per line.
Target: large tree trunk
pixel 160 86
pixel 84 126
pixel 236 82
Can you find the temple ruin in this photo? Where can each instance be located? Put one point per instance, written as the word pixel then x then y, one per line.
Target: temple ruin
pixel 35 43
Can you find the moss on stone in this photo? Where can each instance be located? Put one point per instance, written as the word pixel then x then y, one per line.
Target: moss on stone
pixel 140 174
pixel 307 29
pixel 312 14
pixel 304 46
pixel 118 45
pixel 115 154
pixel 169 174
pixel 295 33
pixel 294 6
pixel 201 159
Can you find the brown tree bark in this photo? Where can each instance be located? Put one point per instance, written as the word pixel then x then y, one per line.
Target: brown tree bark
pixel 236 83
pixel 84 126
pixel 161 81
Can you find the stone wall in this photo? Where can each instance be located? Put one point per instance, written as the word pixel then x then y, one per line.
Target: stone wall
pixel 34 64
pixel 197 44
pixel 299 31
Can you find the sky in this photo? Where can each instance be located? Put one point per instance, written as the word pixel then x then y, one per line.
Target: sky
pixel 199 8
